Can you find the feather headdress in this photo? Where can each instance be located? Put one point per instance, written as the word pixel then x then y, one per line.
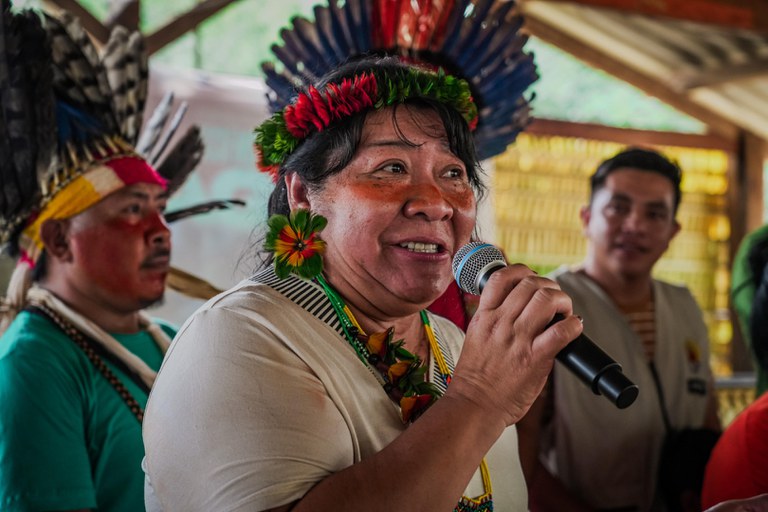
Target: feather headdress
pixel 70 123
pixel 27 120
pixel 476 40
pixel 66 107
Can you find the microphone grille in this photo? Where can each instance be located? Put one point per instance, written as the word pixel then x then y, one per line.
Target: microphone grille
pixel 470 260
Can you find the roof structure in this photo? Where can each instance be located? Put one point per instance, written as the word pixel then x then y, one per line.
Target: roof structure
pixel 706 58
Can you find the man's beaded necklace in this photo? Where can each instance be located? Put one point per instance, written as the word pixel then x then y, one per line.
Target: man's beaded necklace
pixel 352 329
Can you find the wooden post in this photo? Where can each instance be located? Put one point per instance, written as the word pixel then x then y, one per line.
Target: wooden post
pixel 125 13
pixel 184 23
pixel 93 26
pixel 745 204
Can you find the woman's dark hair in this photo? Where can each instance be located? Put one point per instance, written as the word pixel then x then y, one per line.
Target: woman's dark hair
pixel 326 153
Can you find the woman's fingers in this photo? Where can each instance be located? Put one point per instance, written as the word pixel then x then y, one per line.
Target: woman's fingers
pixel 501 284
pixel 547 319
pixel 512 339
pixel 519 300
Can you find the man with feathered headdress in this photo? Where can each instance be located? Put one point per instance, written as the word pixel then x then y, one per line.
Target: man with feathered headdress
pixel 82 210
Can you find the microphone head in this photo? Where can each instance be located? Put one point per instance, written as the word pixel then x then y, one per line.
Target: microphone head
pixel 472 264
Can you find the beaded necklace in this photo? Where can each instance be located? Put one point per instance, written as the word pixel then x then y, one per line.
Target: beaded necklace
pixel 352 330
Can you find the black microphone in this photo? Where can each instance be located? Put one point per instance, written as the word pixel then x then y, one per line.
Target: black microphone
pixel 474 263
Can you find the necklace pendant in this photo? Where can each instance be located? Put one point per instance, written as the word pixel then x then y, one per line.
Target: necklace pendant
pixel 483 504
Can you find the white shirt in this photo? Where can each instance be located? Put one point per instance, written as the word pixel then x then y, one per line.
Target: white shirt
pixel 259 399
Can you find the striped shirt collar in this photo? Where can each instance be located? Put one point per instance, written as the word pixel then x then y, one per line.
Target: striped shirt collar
pixel 310 296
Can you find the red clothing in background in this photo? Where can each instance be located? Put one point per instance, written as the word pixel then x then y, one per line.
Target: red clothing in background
pixel 738 466
pixel 456 306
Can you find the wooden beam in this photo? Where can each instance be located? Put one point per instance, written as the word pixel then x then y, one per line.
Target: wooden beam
pixel 184 23
pixel 724 74
pixel 89 22
pixel 743 14
pixel 630 136
pixel 125 13
pixel 649 85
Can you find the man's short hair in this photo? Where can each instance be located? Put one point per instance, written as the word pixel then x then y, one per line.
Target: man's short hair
pixel 641 159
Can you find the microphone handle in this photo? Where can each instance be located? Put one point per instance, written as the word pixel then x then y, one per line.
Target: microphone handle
pixel 582 357
pixel 597 370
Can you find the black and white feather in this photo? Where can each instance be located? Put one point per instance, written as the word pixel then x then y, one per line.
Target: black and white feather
pixel 27 123
pixel 79 77
pixel 174 162
pixel 182 159
pixel 150 135
pixel 199 209
pixel 156 151
pixel 126 64
pixel 63 104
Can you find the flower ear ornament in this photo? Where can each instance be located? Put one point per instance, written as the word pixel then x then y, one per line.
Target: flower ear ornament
pixel 296 243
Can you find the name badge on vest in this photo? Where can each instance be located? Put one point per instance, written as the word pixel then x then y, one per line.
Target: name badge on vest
pixel 693 355
pixel 697 386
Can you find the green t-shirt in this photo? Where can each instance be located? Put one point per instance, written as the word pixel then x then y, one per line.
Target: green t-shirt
pixel 67 439
pixel 743 293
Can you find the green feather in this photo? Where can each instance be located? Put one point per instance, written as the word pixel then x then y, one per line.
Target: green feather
pixel 312 267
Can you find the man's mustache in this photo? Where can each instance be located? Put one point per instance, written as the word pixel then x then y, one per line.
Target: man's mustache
pixel 164 255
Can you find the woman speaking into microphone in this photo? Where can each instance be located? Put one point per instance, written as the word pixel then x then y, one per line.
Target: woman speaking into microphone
pixel 322 383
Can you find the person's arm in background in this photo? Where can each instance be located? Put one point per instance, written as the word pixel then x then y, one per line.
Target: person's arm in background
pixel 755 504
pixel 746 274
pixel 758 321
pixel 711 416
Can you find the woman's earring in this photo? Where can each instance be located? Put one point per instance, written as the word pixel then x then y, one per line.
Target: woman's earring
pixel 296 244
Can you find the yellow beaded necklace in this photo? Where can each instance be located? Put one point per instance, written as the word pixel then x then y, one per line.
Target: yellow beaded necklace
pixel 352 330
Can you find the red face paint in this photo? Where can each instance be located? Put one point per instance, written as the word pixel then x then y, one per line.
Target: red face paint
pixel 121 248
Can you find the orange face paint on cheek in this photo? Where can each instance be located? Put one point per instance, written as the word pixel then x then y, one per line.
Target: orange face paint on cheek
pixel 377 191
pixel 461 197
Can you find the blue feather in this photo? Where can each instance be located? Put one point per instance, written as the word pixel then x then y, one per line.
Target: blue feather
pixel 335 49
pixel 74 125
pixel 313 57
pixel 358 19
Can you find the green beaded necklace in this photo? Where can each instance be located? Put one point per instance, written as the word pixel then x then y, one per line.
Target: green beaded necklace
pixel 353 334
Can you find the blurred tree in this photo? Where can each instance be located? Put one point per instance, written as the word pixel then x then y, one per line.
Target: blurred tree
pixel 569 90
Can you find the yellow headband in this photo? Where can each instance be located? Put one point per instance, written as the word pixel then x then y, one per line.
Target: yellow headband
pixel 85 191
